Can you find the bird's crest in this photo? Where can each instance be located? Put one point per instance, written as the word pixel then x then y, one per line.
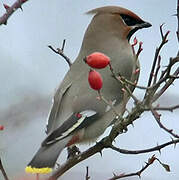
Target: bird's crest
pixel 113 10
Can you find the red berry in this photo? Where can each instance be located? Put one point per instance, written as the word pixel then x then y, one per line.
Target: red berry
pixel 95 80
pixel 97 60
pixel 1 128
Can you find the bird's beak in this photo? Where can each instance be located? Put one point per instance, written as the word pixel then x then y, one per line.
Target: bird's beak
pixel 144 25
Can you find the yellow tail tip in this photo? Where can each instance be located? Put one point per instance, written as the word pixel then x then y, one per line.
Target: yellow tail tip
pixel 33 170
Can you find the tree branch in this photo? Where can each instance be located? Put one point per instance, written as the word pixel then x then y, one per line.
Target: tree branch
pixel 156 148
pixel 138 173
pixel 157 52
pixel 157 118
pixel 168 108
pixel 10 10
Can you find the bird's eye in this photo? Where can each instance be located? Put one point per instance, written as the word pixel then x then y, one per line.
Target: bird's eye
pixel 130 21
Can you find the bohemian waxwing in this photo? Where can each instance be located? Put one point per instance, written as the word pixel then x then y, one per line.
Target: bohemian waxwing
pixel 77 115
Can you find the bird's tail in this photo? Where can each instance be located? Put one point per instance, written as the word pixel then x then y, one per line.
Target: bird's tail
pixel 46 157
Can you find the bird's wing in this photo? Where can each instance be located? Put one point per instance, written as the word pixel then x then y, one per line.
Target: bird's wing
pixel 75 122
pixel 56 102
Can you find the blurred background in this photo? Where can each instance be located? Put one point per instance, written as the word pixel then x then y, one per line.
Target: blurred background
pixel 30 72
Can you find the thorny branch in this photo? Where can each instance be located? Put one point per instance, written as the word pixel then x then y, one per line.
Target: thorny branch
pixel 156 148
pixel 138 173
pixel 164 41
pixel 153 92
pixel 10 10
pixel 169 108
pixel 157 118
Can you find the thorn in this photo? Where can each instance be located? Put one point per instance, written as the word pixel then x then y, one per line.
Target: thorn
pixel 5 23
pixel 139 174
pixel 174 145
pixel 6 7
pixel 101 153
pixel 114 174
pixel 159 150
pixel 21 8
pixel 132 124
pixel 171 138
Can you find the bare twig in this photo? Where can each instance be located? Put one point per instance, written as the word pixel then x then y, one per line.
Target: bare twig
pixel 167 84
pixel 168 108
pixel 133 84
pixel 156 148
pixel 10 10
pixel 157 118
pixel 3 170
pixel 178 21
pixel 87 177
pixel 157 70
pixel 166 73
pixel 60 51
pixel 164 41
pixel 138 173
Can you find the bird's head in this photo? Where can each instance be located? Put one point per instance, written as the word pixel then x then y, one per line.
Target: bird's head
pixel 118 20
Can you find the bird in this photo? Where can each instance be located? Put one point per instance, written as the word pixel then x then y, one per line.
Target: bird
pixel 77 115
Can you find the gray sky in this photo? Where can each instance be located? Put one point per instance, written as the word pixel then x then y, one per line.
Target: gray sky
pixel 30 72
